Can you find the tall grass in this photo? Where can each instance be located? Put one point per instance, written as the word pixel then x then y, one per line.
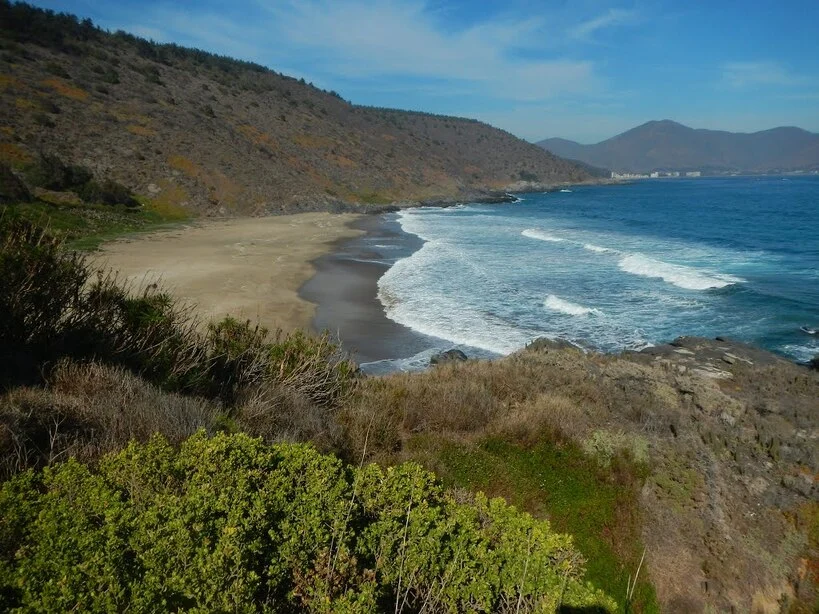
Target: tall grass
pixel 57 307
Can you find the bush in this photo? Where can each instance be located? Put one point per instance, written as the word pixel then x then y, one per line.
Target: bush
pixel 52 173
pixel 57 69
pixel 87 410
pixel 230 524
pixel 55 306
pixel 110 76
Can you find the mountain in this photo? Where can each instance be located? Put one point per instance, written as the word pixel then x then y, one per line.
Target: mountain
pixel 667 145
pixel 215 135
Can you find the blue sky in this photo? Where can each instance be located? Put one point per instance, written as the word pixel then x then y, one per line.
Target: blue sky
pixel 583 69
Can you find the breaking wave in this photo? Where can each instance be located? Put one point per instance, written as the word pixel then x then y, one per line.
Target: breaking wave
pixel 534 233
pixel 685 277
pixel 555 303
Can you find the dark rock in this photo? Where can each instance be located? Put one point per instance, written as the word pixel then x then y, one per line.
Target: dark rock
pixel 12 189
pixel 447 357
pixel 814 363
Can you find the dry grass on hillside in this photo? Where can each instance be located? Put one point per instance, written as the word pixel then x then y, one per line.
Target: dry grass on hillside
pixel 233 137
pixel 723 503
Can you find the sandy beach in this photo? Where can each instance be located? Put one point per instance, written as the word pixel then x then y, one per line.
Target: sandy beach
pixel 250 268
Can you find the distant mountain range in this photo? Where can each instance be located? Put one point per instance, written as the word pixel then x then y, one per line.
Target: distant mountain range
pixel 667 145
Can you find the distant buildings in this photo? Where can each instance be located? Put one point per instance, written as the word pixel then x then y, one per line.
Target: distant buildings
pixel 627 176
pixel 655 174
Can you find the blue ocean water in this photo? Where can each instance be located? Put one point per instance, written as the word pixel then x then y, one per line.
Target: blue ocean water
pixel 617 267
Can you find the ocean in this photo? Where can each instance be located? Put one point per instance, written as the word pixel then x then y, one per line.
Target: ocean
pixel 612 268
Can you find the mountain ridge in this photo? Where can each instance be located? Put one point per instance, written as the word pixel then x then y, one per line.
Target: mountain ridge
pixel 667 145
pixel 218 136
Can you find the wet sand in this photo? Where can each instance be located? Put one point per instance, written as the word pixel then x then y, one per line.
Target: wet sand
pixel 345 288
pixel 249 268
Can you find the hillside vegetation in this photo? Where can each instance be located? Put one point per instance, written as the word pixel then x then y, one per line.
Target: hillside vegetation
pixel 200 517
pixel 701 454
pixel 182 128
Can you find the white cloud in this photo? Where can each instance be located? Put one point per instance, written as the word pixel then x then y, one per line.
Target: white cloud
pixel 359 39
pixel 613 17
pixel 203 30
pixel 754 74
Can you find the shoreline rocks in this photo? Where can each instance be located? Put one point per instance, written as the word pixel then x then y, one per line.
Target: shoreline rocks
pixel 448 356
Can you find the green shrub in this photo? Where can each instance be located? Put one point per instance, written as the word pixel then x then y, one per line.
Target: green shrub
pixel 43 119
pixel 58 69
pixel 230 524
pixel 55 306
pixel 605 445
pixel 111 76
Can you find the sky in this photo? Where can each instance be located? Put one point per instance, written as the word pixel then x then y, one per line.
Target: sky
pixel 584 70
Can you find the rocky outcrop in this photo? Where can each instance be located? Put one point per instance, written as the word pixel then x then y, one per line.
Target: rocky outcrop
pixel 733 476
pixel 12 188
pixel 447 357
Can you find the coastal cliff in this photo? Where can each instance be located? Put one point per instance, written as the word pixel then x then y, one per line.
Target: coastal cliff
pixel 702 452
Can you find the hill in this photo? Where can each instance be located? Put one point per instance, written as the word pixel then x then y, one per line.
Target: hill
pixel 667 145
pixel 220 136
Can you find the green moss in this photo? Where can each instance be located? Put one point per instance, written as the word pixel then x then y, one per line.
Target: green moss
pixel 597 505
pixel 374 198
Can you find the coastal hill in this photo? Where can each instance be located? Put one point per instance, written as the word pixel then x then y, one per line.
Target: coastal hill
pixel 219 136
pixel 668 146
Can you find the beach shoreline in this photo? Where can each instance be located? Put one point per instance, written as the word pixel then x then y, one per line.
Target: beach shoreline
pixel 247 268
pixel 345 290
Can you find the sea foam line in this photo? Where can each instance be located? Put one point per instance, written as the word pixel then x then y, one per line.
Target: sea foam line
pixel 596 248
pixel 681 276
pixel 555 303
pixel 534 233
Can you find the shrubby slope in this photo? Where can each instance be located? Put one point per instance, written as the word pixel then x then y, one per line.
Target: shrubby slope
pixel 184 128
pixel 230 524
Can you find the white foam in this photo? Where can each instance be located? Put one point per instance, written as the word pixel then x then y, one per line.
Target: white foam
pixel 412 221
pixel 596 248
pixel 411 296
pixel 534 233
pixel 802 353
pixel 555 303
pixel 417 362
pixel 681 276
pixel 565 191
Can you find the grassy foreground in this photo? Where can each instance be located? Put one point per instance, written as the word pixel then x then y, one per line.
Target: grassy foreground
pixel 200 515
pixel 630 455
pixel 230 524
